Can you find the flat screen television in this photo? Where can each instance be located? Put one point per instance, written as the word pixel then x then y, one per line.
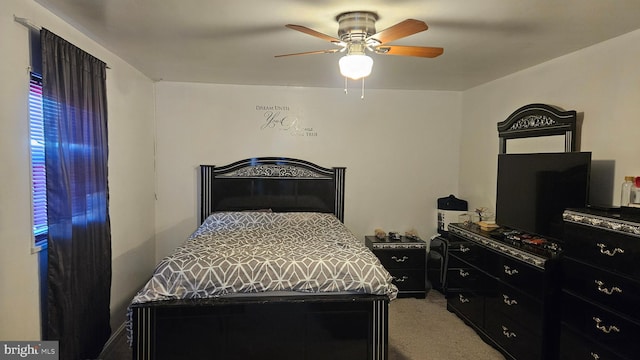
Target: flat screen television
pixel 533 190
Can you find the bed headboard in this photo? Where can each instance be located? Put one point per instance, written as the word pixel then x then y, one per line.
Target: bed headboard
pixel 278 184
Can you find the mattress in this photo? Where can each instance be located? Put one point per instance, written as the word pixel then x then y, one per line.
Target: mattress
pixel 257 253
pixel 260 252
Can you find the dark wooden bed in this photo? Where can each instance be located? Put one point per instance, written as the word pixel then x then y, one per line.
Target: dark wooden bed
pixel 270 326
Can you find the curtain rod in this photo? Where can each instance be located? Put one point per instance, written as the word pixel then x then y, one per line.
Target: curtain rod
pixel 26 22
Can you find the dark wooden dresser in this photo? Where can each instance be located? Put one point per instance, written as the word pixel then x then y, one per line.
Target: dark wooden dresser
pixel 601 287
pixel 405 259
pixel 506 289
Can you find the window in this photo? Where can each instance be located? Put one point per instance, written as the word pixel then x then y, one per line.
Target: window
pixel 38 169
pixel 82 201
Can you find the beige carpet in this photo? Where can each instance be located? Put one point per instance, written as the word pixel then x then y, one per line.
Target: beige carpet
pixel 423 329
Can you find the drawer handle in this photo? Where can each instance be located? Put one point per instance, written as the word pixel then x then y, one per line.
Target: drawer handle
pixel 595 356
pixel 402 279
pixel 508 301
pixel 603 289
pixel 464 249
pixel 507 333
pixel 463 299
pixel 510 271
pixel 403 259
pixel 609 252
pixel 463 273
pixel 603 328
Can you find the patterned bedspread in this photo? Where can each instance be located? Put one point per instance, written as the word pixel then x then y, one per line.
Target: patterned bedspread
pixel 253 252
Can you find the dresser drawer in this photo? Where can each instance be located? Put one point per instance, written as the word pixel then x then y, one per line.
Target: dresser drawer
pixel 525 277
pixel 601 325
pixel 515 305
pixel 609 289
pixel 574 346
pixel 469 305
pixel 468 251
pixel 408 280
pixel 612 250
pixel 401 258
pixel 460 275
pixel 513 337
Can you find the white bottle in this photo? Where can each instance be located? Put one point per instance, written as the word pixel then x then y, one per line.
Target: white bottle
pixel 627 187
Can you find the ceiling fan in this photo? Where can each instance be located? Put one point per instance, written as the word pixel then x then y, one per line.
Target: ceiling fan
pixel 357 34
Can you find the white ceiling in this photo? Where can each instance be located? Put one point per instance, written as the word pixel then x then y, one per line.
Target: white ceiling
pixel 234 41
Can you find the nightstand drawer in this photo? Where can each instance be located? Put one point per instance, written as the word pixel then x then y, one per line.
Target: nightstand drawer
pixel 408 280
pixel 401 259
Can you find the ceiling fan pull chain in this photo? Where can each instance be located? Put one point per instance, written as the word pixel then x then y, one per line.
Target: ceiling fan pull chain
pixel 362 96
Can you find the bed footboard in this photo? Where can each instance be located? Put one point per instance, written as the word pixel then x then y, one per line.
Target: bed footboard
pixel 302 327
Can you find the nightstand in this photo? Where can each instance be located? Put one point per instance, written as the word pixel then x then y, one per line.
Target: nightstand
pixel 405 260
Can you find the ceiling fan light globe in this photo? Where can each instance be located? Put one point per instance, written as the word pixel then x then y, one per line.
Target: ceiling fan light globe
pixel 355 66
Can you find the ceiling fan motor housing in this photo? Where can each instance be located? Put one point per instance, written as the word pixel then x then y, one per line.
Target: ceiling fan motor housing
pixel 356 26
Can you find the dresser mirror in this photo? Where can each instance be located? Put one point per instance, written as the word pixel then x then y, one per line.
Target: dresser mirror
pixel 536 128
pixel 551 143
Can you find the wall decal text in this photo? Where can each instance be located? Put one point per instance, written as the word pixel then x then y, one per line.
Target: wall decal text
pixel 283 118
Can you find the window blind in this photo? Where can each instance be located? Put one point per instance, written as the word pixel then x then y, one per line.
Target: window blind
pixel 39 177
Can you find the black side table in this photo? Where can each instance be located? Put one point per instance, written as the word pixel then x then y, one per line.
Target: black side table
pixel 405 260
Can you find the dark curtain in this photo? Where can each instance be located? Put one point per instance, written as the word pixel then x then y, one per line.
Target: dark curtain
pixel 79 238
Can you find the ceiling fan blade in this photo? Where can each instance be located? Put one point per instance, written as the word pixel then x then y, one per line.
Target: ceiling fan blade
pixel 399 30
pixel 331 51
pixel 420 51
pixel 312 32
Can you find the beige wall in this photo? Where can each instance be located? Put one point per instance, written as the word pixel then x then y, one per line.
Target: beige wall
pixel 602 83
pixel 131 176
pixel 400 148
